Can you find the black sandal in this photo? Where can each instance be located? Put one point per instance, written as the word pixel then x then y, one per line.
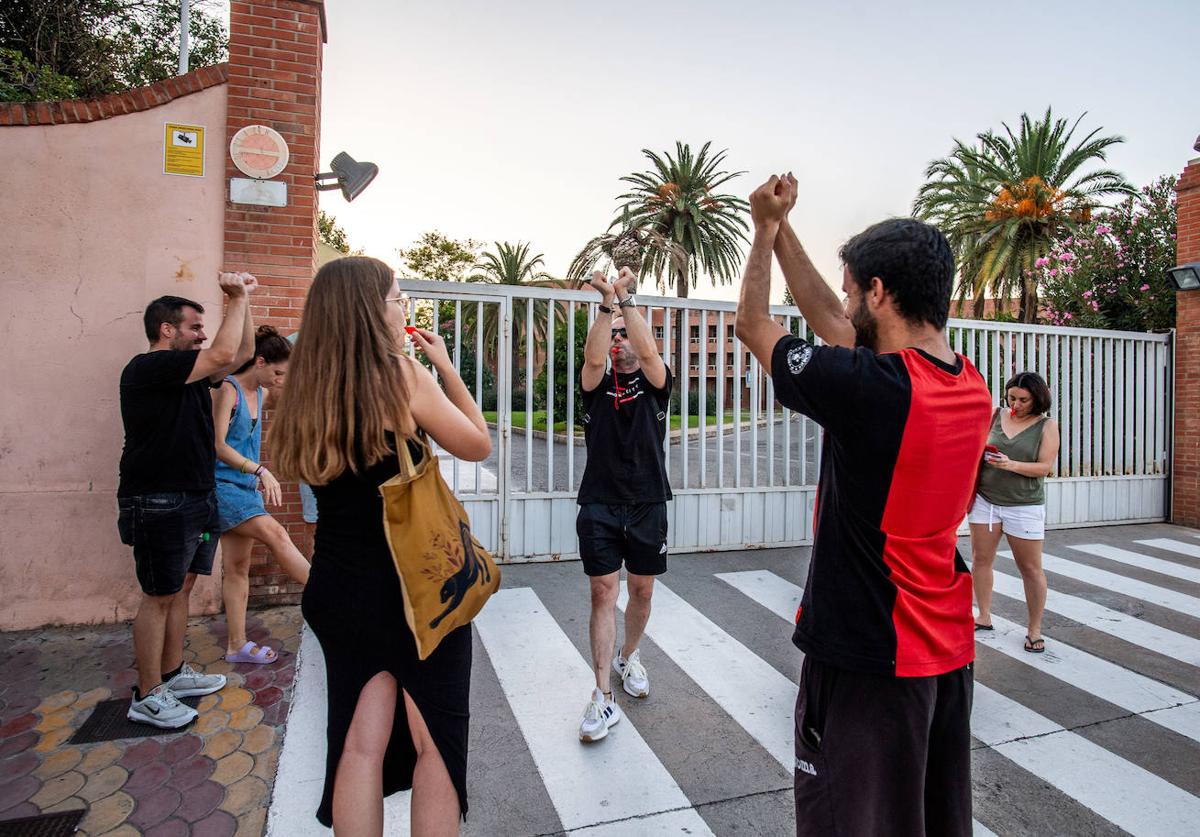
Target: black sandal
pixel 979 627
pixel 1035 646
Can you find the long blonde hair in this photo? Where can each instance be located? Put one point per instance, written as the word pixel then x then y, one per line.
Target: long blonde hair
pixel 344 386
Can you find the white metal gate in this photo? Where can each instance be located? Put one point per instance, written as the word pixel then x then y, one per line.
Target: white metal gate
pixel 743 469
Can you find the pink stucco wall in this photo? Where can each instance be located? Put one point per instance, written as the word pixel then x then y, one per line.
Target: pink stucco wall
pixel 93 230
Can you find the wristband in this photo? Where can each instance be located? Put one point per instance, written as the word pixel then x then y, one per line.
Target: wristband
pixel 604 309
pixel 242 467
pixel 259 471
pixel 627 302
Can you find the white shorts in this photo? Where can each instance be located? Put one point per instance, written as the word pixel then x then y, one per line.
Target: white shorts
pixel 1028 522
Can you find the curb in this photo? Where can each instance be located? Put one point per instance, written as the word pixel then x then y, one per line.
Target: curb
pixel 693 432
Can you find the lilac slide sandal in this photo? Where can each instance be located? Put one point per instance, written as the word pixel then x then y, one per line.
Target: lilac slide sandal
pixel 264 654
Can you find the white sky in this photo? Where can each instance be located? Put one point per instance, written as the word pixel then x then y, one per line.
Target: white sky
pixel 514 121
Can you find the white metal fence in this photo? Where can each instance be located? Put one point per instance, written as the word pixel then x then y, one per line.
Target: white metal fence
pixel 743 469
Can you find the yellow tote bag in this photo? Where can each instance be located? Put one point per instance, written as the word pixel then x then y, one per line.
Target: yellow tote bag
pixel 445 575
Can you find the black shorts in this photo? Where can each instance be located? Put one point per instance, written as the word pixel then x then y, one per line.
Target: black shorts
pixel 877 754
pixel 172 534
pixel 635 535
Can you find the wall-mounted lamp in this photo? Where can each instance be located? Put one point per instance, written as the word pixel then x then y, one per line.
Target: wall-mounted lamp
pixel 348 174
pixel 1186 277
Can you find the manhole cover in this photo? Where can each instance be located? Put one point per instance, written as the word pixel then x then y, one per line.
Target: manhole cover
pixel 62 824
pixel 108 723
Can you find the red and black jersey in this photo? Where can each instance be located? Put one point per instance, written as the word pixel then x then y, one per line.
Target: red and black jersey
pixel 887 591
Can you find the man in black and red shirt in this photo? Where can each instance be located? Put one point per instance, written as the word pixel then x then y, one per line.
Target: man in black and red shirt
pixel 883 715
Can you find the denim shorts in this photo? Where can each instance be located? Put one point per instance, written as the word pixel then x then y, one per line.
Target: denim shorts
pixel 308 503
pixel 236 504
pixel 172 534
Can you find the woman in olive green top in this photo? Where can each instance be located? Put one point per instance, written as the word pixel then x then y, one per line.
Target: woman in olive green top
pixel 1011 498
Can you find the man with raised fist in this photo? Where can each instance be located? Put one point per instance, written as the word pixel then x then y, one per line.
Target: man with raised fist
pixel 623 496
pixel 167 506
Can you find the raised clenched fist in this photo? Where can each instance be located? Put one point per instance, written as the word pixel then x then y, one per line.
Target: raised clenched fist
pixel 769 203
pixel 600 282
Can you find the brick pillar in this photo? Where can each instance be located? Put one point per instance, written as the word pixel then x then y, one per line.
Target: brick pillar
pixel 275 80
pixel 1185 475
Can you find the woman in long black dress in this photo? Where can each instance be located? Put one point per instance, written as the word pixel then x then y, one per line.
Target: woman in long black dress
pixel 352 395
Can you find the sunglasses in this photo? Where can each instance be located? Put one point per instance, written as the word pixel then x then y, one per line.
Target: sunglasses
pixel 620 331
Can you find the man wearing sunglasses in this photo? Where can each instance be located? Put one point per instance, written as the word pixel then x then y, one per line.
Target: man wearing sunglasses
pixel 624 493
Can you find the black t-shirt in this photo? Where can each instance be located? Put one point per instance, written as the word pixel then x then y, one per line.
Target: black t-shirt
pixel 887 591
pixel 168 426
pixel 625 422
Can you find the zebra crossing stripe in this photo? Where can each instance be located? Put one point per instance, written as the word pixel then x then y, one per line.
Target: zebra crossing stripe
pixel 546 682
pixel 300 777
pixel 765 588
pixel 1132 587
pixel 758 697
pixel 1109 621
pixel 1171 545
pixel 1137 559
pixel 1157 702
pixel 1113 787
pixel 981 830
pixel 1118 790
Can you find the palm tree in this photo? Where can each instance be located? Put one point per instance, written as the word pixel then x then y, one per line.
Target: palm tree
pixel 952 202
pixel 1003 202
pixel 512 264
pixel 687 227
pixel 603 245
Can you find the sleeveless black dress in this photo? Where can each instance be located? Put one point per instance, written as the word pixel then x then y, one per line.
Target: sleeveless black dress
pixel 354 606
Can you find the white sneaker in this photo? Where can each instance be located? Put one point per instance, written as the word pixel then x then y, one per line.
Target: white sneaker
pixel 600 714
pixel 633 674
pixel 160 708
pixel 191 683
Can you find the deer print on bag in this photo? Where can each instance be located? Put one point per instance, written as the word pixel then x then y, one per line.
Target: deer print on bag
pixel 455 588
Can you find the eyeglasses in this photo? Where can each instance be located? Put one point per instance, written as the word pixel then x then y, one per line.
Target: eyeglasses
pixel 402 301
pixel 620 331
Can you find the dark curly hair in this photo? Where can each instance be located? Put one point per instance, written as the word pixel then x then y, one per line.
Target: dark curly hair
pixel 912 259
pixel 270 345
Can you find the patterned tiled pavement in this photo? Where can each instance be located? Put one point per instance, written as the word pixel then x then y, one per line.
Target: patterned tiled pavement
pixel 211 779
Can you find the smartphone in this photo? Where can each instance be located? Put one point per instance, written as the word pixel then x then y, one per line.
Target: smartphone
pixel 990 451
pixel 410 329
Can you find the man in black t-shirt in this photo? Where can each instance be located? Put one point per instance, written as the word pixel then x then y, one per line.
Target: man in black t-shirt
pixel 167 508
pixel 882 719
pixel 624 493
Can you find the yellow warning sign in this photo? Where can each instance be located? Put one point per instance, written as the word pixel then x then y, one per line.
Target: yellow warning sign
pixel 183 150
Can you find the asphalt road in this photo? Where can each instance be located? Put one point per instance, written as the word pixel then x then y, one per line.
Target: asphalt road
pixel 532 462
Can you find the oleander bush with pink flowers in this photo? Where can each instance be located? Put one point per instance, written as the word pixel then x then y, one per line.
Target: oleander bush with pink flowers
pixel 1113 272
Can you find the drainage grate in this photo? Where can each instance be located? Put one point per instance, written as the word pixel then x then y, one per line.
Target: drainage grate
pixel 62 824
pixel 108 723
